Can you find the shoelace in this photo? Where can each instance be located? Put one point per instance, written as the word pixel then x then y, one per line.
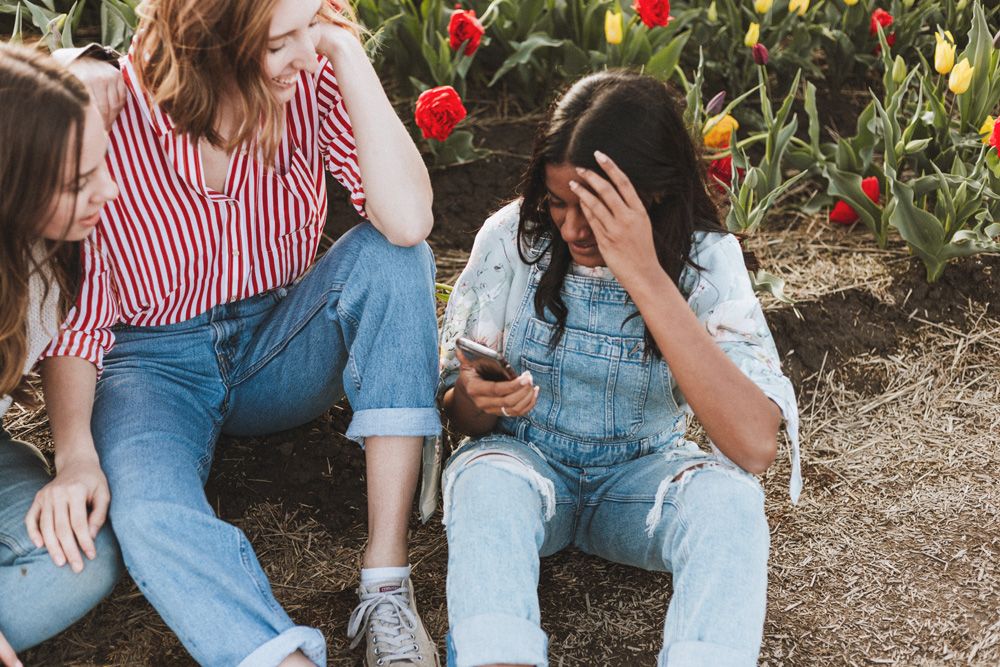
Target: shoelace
pixel 392 622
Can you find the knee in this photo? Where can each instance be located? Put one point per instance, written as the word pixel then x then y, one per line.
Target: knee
pixel 100 575
pixel 499 492
pixel 402 266
pixel 726 508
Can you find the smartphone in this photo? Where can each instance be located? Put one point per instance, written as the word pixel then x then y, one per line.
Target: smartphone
pixel 489 363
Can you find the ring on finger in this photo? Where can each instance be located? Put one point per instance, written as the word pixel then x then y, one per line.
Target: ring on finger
pixel 503 409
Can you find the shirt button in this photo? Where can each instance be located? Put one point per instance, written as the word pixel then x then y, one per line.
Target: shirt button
pixel 236 253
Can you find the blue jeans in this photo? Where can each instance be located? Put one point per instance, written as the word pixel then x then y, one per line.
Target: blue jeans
pixel 37 599
pixel 681 512
pixel 360 322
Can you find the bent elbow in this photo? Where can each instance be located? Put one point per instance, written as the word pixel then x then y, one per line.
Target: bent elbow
pixel 416 231
pixel 762 458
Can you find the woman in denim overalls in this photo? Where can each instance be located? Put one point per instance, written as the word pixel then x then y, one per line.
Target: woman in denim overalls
pixel 612 288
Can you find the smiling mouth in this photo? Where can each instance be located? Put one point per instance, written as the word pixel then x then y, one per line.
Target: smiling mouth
pixel 287 83
pixel 90 220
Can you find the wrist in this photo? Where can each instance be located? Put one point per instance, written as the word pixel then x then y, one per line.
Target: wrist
pixel 340 46
pixel 78 452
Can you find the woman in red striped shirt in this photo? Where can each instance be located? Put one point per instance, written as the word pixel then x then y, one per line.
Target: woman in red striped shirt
pixel 204 310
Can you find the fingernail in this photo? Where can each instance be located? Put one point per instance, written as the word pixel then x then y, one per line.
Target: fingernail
pixel 601 157
pixel 537 389
pixel 581 171
pixel 525 378
pixel 77 567
pixel 573 185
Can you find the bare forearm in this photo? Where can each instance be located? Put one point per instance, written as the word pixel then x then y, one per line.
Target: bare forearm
pixel 736 414
pixel 69 384
pixel 465 416
pixel 396 182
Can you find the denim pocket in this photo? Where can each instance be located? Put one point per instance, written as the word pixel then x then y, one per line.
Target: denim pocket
pixel 593 386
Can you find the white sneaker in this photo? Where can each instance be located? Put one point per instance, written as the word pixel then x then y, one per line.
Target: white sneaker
pixel 392 627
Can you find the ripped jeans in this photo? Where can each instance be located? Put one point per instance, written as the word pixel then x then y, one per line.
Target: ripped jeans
pixel 677 510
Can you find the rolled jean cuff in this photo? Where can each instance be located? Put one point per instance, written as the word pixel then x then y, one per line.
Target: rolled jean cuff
pixel 705 654
pixel 498 638
pixel 296 638
pixel 394 421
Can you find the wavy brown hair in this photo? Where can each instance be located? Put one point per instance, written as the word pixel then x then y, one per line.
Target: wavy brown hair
pixel 635 120
pixel 42 112
pixel 185 48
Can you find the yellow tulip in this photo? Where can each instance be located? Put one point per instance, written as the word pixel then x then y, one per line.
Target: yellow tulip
pixel 753 35
pixel 987 129
pixel 613 27
pixel 961 77
pixel 798 6
pixel 713 13
pixel 944 52
pixel 763 6
pixel 850 3
pixel 718 129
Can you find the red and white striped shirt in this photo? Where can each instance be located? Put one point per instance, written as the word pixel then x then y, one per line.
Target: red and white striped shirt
pixel 170 248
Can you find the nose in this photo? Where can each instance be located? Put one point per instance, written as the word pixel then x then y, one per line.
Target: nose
pixel 575 226
pixel 108 189
pixel 306 57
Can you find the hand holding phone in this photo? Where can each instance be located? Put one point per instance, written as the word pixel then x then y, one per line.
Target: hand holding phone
pixel 491 383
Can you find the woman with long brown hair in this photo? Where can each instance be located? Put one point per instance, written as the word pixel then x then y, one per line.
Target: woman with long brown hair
pixel 204 305
pixel 53 184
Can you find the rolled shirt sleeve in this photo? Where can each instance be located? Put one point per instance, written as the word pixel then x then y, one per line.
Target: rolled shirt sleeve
pixel 721 295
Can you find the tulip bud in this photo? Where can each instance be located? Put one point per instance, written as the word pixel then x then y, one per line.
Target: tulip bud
pixel 961 4
pixel 908 4
pixel 850 3
pixel 944 52
pixel 898 70
pixel 798 6
pixel 713 13
pixel 714 105
pixel 613 29
pixel 760 54
pixel 987 129
pixel 762 6
pixel 753 34
pixel 961 77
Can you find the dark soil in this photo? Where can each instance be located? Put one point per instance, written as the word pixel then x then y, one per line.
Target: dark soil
pixel 464 195
pixel 312 469
pixel 975 279
pixel 837 328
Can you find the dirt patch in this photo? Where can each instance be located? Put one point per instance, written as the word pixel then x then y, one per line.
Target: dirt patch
pixel 313 469
pixel 975 279
pixel 836 328
pixel 464 195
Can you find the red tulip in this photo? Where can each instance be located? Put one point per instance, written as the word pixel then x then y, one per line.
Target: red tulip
pixel 462 26
pixel 842 212
pixel 760 55
pixel 995 137
pixel 721 171
pixel 653 13
pixel 438 111
pixel 880 17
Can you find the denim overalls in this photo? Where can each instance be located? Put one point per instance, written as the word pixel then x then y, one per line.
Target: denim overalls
pixel 600 463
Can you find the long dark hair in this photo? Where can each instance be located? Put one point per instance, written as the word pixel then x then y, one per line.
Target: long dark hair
pixel 635 120
pixel 42 111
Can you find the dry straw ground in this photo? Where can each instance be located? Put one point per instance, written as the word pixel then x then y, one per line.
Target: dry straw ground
pixel 892 557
